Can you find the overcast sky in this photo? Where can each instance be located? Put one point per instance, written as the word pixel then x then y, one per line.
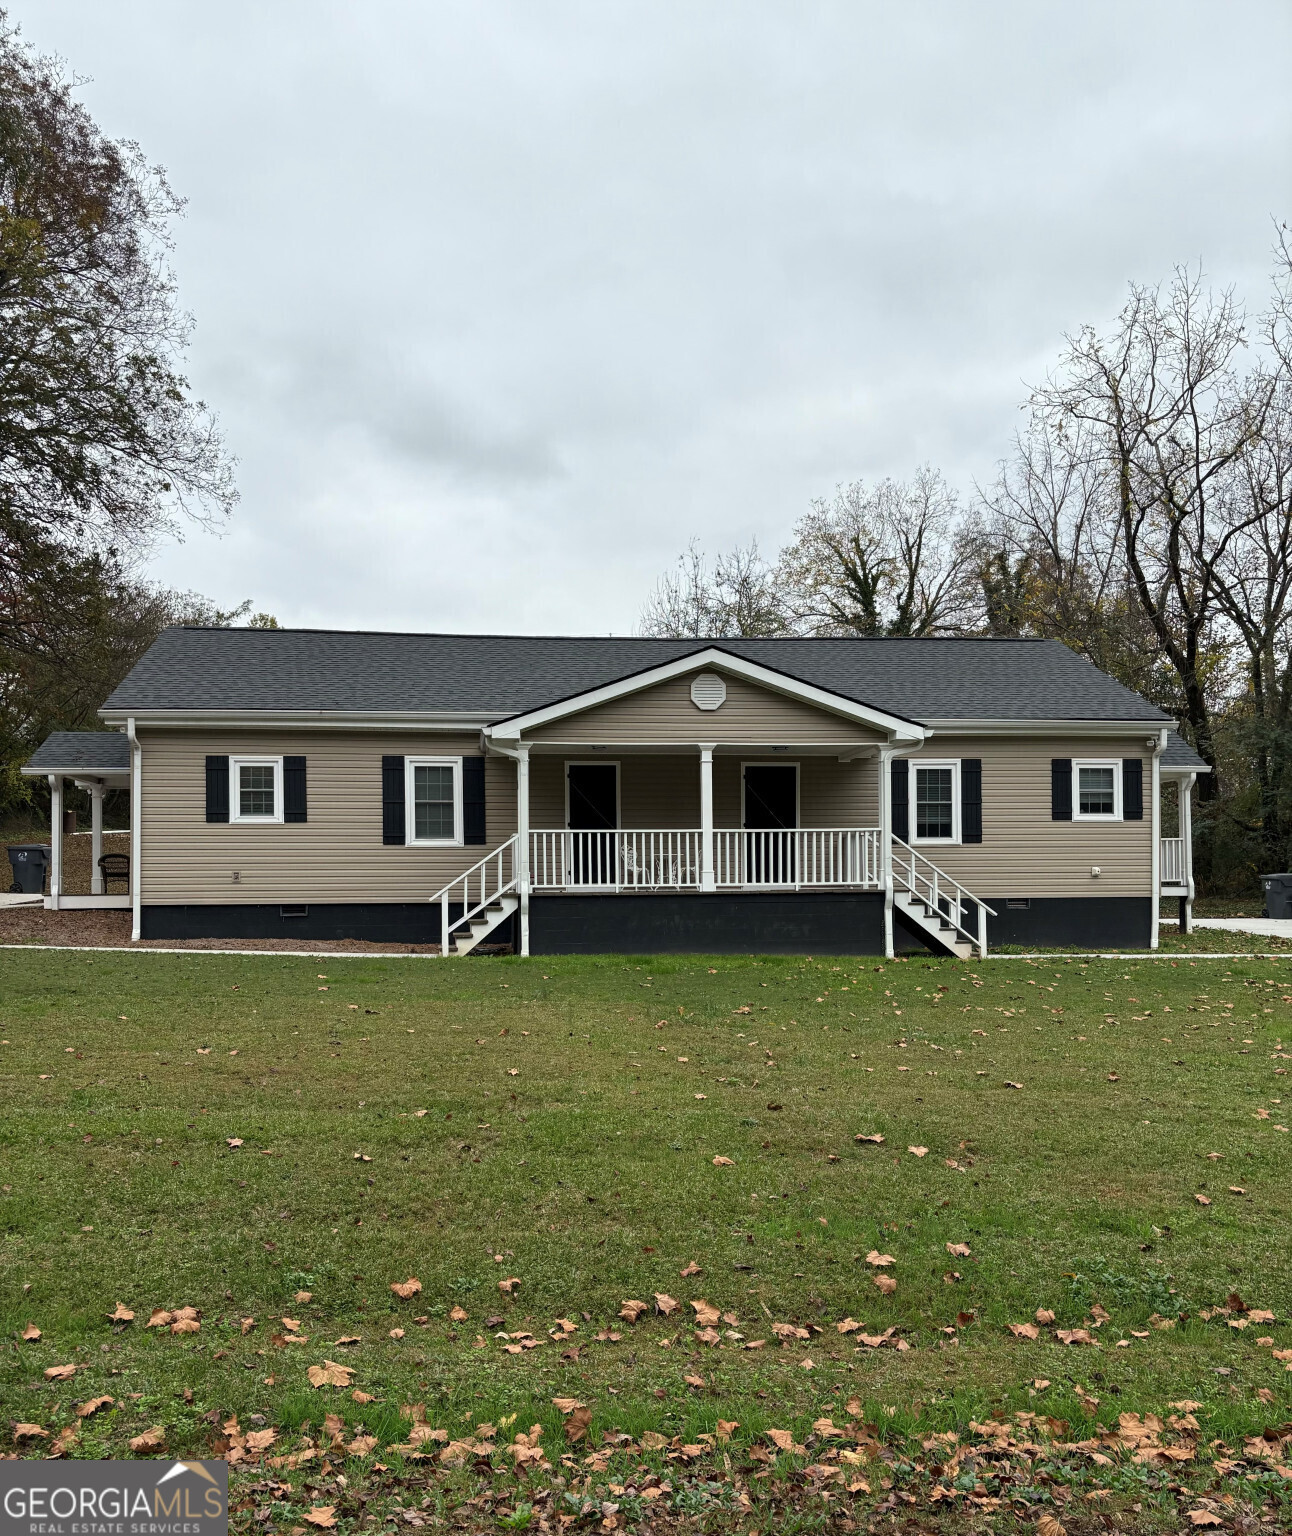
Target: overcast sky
pixel 501 303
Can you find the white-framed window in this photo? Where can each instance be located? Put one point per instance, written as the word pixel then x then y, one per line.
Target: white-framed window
pixel 935 802
pixel 256 789
pixel 433 800
pixel 1096 789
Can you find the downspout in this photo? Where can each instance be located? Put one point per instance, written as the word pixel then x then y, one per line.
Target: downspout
pixel 136 828
pixel 886 756
pixel 1157 838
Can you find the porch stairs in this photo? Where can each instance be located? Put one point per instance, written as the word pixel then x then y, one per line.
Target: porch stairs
pixel 487 895
pixel 935 906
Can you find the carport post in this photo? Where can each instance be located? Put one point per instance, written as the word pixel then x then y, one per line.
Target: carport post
pixel 55 839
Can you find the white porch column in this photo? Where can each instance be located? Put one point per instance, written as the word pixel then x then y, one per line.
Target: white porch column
pixel 1158 749
pixel 96 836
pixel 55 839
pixel 136 830
pixel 522 841
pixel 1185 792
pixel 707 879
pixel 885 759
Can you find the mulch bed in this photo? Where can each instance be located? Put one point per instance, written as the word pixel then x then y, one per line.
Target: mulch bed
pixel 111 929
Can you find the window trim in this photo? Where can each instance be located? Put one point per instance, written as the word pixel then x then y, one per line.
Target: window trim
pixel 236 765
pixel 913 800
pixel 1078 763
pixel 411 840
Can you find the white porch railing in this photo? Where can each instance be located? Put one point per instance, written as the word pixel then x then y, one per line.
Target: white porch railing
pixel 478 887
pixel 671 860
pixel 804 856
pixel 1174 865
pixel 939 893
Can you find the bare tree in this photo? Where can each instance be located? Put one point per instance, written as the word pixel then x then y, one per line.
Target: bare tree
pixel 737 597
pixel 881 560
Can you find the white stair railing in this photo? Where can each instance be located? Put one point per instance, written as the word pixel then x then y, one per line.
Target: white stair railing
pixel 923 880
pixel 491 878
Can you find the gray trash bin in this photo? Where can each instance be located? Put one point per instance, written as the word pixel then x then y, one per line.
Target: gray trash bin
pixel 29 862
pixel 1278 895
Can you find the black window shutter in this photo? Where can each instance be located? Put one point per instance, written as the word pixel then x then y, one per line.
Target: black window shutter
pixel 1132 789
pixel 294 789
pixel 901 802
pixel 392 800
pixel 971 799
pixel 1061 789
pixel 473 800
pixel 217 789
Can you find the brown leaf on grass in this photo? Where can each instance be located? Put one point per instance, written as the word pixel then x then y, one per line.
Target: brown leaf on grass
pixel 29 1432
pixel 121 1314
pixel 31 1333
pixel 630 1311
pixel 1074 1336
pixel 151 1439
pixel 578 1417
pixel 958 1250
pixel 361 1445
pixel 59 1372
pixel 918 1151
pixel 875 1140
pixel 395 1333
pixel 406 1288
pixel 321 1515
pixel 1044 1316
pixel 362 1397
pixel 879 1260
pixel 884 1283
pixel 92 1405
pixel 1202 1199
pixel 784 1441
pixel 1008 1084
pixel 185 1324
pixel 787 1331
pixel 303 1296
pixel 234 1141
pixel 261 1439
pixel 1047 1525
pixel 694 1381
pixel 458 1315
pixel 665 1304
pixel 724 1162
pixel 706 1314
pixel 508 1286
pixel 1025 1330
pixel 160 1318
pixel 725 1428
pixel 330 1374
pixel 1204 1517
pixel 691 1269
pixel 247 1324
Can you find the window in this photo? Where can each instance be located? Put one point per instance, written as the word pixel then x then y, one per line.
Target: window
pixel 257 789
pixel 1096 791
pixel 434 798
pixel 936 812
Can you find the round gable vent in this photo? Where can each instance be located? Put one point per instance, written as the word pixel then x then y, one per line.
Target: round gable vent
pixel 708 691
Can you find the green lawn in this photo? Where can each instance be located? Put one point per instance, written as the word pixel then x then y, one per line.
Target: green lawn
pixel 557 1121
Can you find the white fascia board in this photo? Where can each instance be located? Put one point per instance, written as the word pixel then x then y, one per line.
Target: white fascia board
pixel 1045 727
pixel 80 771
pixel 301 719
pixel 721 661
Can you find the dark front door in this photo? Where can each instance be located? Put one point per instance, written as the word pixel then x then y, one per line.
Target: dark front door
pixel 593 816
pixel 771 812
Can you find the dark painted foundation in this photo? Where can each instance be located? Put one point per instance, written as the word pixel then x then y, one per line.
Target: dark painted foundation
pixel 405 922
pixel 1083 922
pixel 735 923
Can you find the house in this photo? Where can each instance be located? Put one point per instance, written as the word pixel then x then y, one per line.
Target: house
pixel 575 795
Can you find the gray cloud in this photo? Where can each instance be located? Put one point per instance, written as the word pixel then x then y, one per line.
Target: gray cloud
pixel 500 303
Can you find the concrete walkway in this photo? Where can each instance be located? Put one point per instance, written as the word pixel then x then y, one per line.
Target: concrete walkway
pixel 1270 927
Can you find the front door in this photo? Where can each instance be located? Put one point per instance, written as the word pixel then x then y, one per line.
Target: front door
pixel 771 812
pixel 592 816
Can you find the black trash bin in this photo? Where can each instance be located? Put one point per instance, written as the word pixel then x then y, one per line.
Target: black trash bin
pixel 1278 895
pixel 29 862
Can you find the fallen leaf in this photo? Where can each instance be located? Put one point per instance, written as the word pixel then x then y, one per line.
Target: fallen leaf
pixel 884 1283
pixel 30 1432
pixel 959 1250
pixel 1044 1316
pixel 150 1440
pixel 321 1515
pixel 330 1374
pixel 508 1286
pixel 261 1439
pixel 395 1333
pixel 918 1151
pixel 706 1314
pixel 92 1406
pixel 234 1141
pixel 784 1441
pixel 723 1162
pixel 458 1315
pixel 31 1333
pixel 875 1140
pixel 1025 1330
pixel 1008 1084
pixel 59 1372
pixel 1047 1525
pixel 361 1445
pixel 665 1304
pixel 362 1397
pixel 160 1318
pixel 694 1381
pixel 122 1314
pixel 1202 1199
pixel 1204 1517
pixel 405 1289
pixel 632 1310
pixel 1074 1336
pixel 880 1260
pixel 303 1296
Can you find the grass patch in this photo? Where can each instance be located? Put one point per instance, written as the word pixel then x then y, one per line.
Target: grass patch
pixel 557 1120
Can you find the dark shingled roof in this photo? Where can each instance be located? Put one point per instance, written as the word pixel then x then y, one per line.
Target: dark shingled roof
pixel 83 751
pixel 503 675
pixel 1179 754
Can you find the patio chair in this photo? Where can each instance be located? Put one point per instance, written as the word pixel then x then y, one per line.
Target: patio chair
pixel 115 866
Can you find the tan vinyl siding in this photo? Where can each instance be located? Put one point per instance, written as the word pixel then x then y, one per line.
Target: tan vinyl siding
pixel 337 855
pixel 665 713
pixel 1023 851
